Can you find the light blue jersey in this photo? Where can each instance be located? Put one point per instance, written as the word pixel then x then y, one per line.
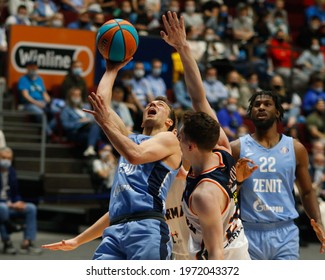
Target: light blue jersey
pixel 267 195
pixel 138 230
pixel 140 188
pixel 267 203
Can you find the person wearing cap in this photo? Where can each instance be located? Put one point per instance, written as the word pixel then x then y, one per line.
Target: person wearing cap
pixel 33 94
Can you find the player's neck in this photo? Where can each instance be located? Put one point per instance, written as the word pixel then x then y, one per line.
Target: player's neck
pixel 152 131
pixel 203 162
pixel 267 138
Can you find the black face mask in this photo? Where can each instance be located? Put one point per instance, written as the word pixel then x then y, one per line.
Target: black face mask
pixel 234 84
pixel 278 88
pixel 97 24
pixel 280 40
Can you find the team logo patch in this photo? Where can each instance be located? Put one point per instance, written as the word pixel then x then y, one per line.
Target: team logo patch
pixel 284 150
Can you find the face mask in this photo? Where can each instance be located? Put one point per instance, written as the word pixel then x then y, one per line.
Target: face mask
pixel 315 48
pixel 174 9
pixel 319 89
pixel 127 82
pixel 209 38
pixel 21 17
pixel 318 167
pixel 190 10
pixel 232 108
pixel 277 87
pixel 280 40
pixel 77 71
pixel 32 73
pixel 127 10
pixel 139 73
pixel 211 80
pixel 253 85
pixel 104 154
pixel 5 163
pixel 57 23
pixel 156 71
pixel 234 84
pixel 76 100
pixel 278 21
pixel 223 14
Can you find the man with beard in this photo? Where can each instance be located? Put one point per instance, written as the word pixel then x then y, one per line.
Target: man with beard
pixel 266 197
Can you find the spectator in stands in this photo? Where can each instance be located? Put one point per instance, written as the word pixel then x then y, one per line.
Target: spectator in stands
pixel 291 102
pixel 144 20
pixel 83 22
pixel 278 22
pixel 34 96
pixel 279 8
pixel 74 78
pixel 183 100
pixel 308 32
pixel 313 93
pixel 315 10
pixel 281 61
pixel 156 82
pixel 12 205
pixel 2 139
pixel 311 60
pixel 215 90
pixel 124 11
pixel 58 20
pixel 14 4
pixel 97 21
pixel 316 121
pixel 103 168
pixel 108 6
pixel 230 119
pixel 243 25
pixel 252 86
pixel 21 17
pixel 140 86
pixel 76 6
pixel 235 84
pixel 192 17
pixel 210 11
pixel 120 107
pixel 80 127
pixel 44 12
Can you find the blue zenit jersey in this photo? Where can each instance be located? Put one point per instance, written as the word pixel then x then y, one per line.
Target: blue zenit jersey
pixel 267 195
pixel 140 188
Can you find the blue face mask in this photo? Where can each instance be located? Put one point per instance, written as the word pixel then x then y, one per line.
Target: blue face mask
pixel 5 163
pixel 77 71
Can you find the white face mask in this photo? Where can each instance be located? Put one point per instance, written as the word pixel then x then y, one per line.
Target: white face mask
pixel 76 100
pixel 5 163
pixel 232 108
pixel 156 72
pixel 139 73
pixel 104 154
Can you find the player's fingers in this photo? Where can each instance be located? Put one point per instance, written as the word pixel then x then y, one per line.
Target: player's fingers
pixel 166 24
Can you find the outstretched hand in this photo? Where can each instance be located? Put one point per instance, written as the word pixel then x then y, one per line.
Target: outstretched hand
pixel 244 168
pixel 319 230
pixel 100 110
pixel 64 245
pixel 174 33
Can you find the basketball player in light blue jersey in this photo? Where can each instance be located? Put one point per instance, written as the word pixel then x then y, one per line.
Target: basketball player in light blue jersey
pixel 134 227
pixel 266 197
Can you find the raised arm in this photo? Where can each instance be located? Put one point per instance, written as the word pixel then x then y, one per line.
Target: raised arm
pixel 104 89
pixel 175 36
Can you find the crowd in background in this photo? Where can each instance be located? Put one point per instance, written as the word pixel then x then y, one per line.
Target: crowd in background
pixel 240 47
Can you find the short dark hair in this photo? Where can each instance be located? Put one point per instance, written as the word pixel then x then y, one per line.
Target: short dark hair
pixel 201 129
pixel 172 114
pixel 275 97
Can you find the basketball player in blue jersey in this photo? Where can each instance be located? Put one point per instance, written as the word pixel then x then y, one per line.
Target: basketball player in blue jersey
pixel 266 197
pixel 135 226
pixel 209 199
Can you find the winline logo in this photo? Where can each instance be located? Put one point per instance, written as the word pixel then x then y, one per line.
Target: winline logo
pixel 52 59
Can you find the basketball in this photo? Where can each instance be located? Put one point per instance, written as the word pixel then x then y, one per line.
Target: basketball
pixel 117 40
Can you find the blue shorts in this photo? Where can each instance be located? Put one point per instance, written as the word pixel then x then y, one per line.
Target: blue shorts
pixel 275 241
pixel 147 239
